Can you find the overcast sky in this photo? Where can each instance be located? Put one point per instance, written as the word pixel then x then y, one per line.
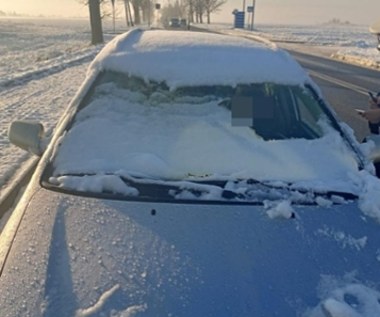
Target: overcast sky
pixel 363 12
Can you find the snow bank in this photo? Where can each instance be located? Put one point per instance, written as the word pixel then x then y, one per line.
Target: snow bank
pixel 368 57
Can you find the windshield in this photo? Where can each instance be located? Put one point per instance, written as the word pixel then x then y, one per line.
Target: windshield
pixel 138 130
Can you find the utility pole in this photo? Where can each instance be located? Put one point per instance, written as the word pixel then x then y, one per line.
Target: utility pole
pixel 149 13
pixel 96 22
pixel 253 13
pixel 243 14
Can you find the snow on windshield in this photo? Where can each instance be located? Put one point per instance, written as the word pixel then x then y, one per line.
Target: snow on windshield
pixel 125 133
pixel 193 58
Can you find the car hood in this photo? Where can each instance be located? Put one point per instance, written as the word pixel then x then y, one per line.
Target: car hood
pixel 76 256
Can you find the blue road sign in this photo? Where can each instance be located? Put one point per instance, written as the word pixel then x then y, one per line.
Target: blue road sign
pixel 239 20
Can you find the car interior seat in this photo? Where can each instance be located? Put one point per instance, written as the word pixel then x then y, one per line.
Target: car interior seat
pixel 267 117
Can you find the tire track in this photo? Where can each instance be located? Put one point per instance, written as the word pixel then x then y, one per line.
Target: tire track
pixel 24 78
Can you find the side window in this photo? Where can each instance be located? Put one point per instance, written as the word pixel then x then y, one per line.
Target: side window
pixel 308 111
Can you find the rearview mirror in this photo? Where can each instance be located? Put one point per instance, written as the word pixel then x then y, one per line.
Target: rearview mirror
pixel 27 135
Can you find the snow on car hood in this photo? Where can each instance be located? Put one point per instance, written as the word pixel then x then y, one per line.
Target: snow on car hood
pixel 87 257
pixel 193 58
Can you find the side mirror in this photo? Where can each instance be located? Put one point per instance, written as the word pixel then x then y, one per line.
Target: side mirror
pixel 27 135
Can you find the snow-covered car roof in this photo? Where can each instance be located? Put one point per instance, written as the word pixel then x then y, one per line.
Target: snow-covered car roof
pixel 205 58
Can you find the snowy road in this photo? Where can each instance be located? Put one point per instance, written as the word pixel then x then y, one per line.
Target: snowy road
pixel 345 86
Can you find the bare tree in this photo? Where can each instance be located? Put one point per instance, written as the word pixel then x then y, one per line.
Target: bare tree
pixel 199 7
pixel 196 9
pixel 212 6
pixel 95 19
pixel 136 5
pixel 96 22
pixel 137 11
pixel 128 13
pixel 104 7
pixel 191 10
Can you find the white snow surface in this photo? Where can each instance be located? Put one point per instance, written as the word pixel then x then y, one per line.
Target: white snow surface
pixel 343 239
pixel 90 311
pixel 172 145
pixel 345 298
pixel 170 56
pixel 280 209
pixel 349 42
pixel 43 62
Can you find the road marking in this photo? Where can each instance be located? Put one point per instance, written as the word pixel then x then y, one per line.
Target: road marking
pixel 339 82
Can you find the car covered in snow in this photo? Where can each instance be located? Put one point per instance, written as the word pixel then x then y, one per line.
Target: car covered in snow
pixel 175 23
pixel 194 174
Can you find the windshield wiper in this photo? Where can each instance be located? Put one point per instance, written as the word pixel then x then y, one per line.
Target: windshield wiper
pixel 256 187
pixel 239 190
pixel 328 194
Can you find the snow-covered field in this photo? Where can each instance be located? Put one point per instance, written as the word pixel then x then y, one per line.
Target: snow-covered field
pixel 43 62
pixel 352 43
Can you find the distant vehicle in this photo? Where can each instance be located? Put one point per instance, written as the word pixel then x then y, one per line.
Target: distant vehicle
pixel 174 23
pixel 375 29
pixel 194 174
pixel 183 23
